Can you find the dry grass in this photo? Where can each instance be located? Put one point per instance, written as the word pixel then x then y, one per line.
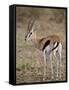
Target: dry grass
pixel 29 67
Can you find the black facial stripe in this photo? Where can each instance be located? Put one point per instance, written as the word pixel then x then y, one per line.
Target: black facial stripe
pixel 25 36
pixel 30 34
pixel 46 44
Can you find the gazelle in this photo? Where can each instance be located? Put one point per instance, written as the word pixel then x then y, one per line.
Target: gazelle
pixel 48 45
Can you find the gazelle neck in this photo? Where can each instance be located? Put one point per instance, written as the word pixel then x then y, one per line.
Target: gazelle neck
pixel 35 40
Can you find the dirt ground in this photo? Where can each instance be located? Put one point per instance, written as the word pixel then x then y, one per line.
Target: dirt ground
pixel 29 60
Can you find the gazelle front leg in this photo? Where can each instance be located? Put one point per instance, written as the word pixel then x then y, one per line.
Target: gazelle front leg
pixel 51 59
pixel 44 74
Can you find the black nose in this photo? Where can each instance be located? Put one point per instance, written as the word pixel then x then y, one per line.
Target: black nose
pixel 25 39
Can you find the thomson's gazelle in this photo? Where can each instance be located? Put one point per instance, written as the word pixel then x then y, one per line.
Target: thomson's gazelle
pixel 50 45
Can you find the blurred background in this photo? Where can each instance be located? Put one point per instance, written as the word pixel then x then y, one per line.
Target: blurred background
pixel 29 60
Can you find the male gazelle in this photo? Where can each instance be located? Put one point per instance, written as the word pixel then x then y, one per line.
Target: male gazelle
pixel 50 45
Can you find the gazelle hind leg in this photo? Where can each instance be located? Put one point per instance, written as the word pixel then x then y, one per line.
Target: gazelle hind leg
pixel 58 60
pixel 57 63
pixel 60 63
pixel 51 56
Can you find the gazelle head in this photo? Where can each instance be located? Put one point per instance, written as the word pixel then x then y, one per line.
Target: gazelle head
pixel 30 30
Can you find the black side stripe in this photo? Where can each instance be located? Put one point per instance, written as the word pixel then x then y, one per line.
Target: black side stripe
pixel 46 44
pixel 55 46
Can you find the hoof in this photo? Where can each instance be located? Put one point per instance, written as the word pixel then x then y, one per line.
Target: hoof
pixel 52 77
pixel 57 78
pixel 44 78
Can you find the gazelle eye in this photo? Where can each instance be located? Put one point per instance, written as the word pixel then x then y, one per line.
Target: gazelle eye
pixel 30 33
